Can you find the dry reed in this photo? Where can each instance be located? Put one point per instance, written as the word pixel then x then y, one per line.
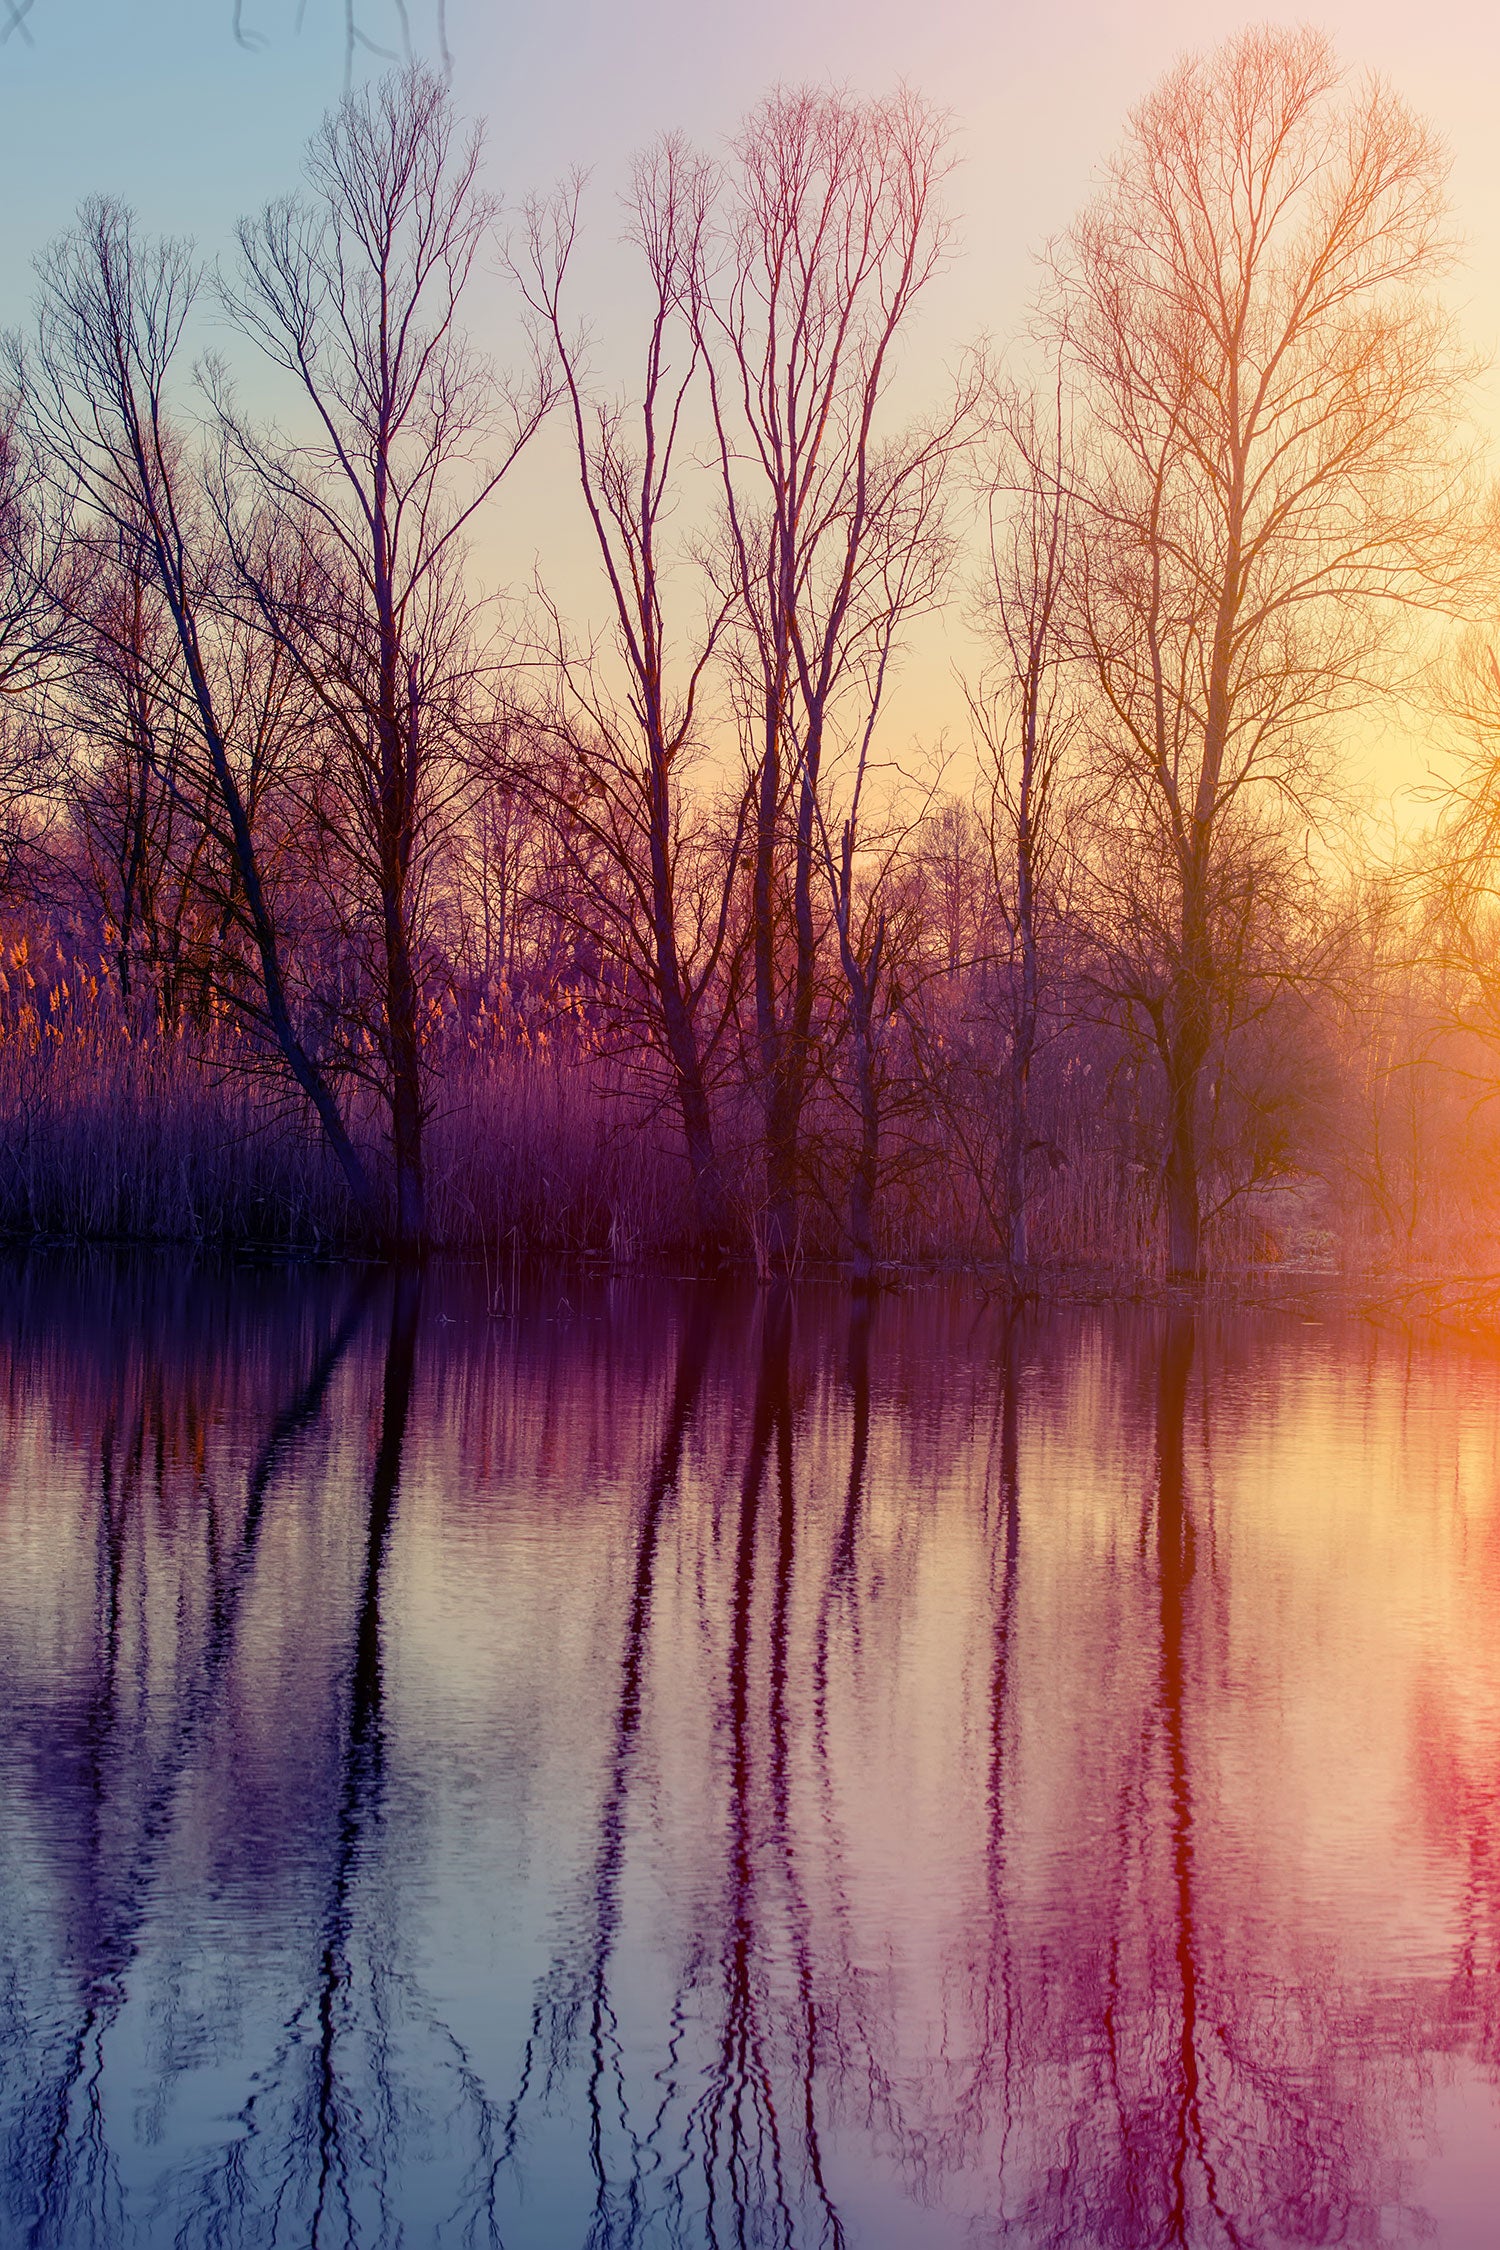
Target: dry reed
pixel 115 1127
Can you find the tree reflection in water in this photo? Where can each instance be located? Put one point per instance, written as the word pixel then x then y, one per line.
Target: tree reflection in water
pixel 731 1770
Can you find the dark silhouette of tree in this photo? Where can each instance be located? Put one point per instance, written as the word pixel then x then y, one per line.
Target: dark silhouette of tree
pixel 575 2008
pixel 1089 2018
pixel 243 18
pixel 833 529
pixel 133 1769
pixel 352 2158
pixel 143 828
pixel 110 321
pixel 662 901
pixel 38 565
pixel 354 293
pixel 1023 708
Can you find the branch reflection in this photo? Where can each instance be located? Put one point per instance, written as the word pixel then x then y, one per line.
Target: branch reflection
pixel 722 1770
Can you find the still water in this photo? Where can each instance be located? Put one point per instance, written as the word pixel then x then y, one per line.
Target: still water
pixel 670 1768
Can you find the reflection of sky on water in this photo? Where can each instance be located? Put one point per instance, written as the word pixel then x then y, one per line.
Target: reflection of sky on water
pixel 677 1769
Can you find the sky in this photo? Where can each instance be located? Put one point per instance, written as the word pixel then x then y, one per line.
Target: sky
pixel 155 101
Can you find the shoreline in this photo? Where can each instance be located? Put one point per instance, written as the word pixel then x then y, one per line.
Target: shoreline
pixel 1452 1301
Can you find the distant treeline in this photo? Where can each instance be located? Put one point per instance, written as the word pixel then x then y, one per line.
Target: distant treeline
pixel 342 904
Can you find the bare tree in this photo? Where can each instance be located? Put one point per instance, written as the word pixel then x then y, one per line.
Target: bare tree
pixel 1265 393
pixel 1024 711
pixel 666 905
pixel 360 37
pixel 143 818
pixel 862 854
pixel 36 565
pixel 95 384
pixel 832 232
pixel 1438 914
pixel 354 292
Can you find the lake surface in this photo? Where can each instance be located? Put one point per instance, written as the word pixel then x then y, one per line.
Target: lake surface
pixel 677 1768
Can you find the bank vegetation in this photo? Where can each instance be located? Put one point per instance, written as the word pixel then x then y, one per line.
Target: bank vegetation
pixel 345 905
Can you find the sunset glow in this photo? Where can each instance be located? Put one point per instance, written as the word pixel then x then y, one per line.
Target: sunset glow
pixel 749 1146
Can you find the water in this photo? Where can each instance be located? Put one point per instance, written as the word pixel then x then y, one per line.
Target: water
pixel 675 1769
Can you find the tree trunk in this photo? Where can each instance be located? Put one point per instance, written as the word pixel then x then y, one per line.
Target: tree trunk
pixel 1185 1050
pixel 399 716
pixel 787 1090
pixel 697 1127
pixel 1184 1222
pixel 782 1035
pixel 864 1178
pixel 862 980
pixel 1023 1047
pixel 1018 1245
pixel 278 1012
pixel 303 1067
pixel 780 1215
pixel 780 1175
pixel 404 1032
pixel 679 1028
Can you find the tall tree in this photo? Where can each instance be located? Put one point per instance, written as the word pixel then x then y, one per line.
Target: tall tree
pixel 142 815
pixel 1265 392
pixel 96 390
pixel 832 230
pixel 629 732
pixel 862 848
pixel 353 291
pixel 1024 712
pixel 37 568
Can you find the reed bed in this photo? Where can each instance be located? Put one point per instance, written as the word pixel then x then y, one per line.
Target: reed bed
pixel 110 1132
pixel 115 1127
pixel 114 1136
